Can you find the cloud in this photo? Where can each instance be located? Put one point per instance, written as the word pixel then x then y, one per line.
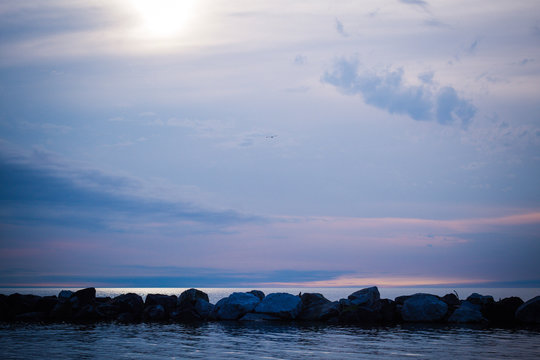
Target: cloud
pixel 300 60
pixel 421 3
pixel 388 91
pixel 340 29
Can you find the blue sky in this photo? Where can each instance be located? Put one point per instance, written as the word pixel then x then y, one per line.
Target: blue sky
pixel 318 143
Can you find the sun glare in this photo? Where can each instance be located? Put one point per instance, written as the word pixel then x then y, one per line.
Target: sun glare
pixel 163 18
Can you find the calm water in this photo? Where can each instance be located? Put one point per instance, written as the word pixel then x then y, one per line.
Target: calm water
pixel 225 340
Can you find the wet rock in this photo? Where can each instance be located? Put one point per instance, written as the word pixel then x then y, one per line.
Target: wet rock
pixel 257 293
pixel 20 304
pixel 386 310
pixel 235 306
pixel 154 313
pixel 65 295
pixel 168 302
pixel 86 313
pixel 358 315
pixel 107 311
pixel 423 308
pixel 62 311
pixel 315 307
pixel 467 313
pixel 126 317
pixel 192 305
pixel 529 312
pixel 259 317
pixel 33 316
pixel 129 303
pixel 365 297
pixel 400 300
pixel 282 305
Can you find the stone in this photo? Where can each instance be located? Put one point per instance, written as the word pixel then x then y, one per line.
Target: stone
pixel 129 303
pixel 85 296
pixel 400 300
pixel 451 300
pixel 86 313
pixel 62 311
pixel 65 295
pixel 257 293
pixel 203 308
pixel 365 297
pixel 423 308
pixel 154 313
pixel 358 314
pixel 386 310
pixel 529 312
pixel 235 306
pixel 467 313
pixel 126 317
pixel 20 304
pixel 259 317
pixel 315 307
pixel 190 296
pixel 282 305
pixel 481 300
pixel 107 311
pixel 503 311
pixel 33 316
pixel 168 302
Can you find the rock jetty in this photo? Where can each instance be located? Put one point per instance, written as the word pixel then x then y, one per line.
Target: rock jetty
pixel 361 307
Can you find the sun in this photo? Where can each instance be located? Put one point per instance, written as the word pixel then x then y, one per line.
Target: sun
pixel 163 18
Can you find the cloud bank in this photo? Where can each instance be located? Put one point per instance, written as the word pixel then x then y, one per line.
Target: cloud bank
pixel 388 91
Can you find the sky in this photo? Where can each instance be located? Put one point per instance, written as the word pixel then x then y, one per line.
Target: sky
pixel 269 143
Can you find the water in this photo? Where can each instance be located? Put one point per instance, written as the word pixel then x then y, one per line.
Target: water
pixel 231 340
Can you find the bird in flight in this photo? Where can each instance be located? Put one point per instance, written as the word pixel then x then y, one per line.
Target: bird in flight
pixel 271 136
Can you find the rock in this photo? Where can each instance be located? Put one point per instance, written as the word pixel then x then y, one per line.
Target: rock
pixel 107 311
pixel 126 317
pixel 282 305
pixel 386 310
pixel 257 293
pixel 32 316
pixel 423 308
pixel 400 300
pixel 62 311
pixel 481 300
pixel 86 313
pixel 451 300
pixel 129 303
pixel 467 313
pixel 168 302
pixel 235 306
pixel 365 297
pixel 20 304
pixel 154 313
pixel 85 296
pixel 529 312
pixel 315 307
pixel 259 317
pixel 503 311
pixel 190 296
pixel 344 303
pixel 192 305
pixel 358 314
pixel 65 295
pixel 4 307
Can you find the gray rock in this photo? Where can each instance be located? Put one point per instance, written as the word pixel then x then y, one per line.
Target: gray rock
pixel 190 297
pixel 235 306
pixel 84 296
pixel 365 297
pixel 168 302
pixel 65 295
pixel 467 313
pixel 203 308
pixel 451 300
pixel 282 305
pixel 529 312
pixel 423 308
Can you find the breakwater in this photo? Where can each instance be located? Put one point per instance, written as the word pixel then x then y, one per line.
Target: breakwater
pixel 361 307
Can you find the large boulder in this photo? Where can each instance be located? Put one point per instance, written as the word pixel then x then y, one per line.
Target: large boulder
pixel 167 302
pixel 529 312
pixel 192 305
pixel 503 311
pixel 257 317
pixel 423 308
pixel 451 300
pixel 235 306
pixel 20 304
pixel 482 300
pixel 129 303
pixel 282 305
pixel 467 313
pixel 154 313
pixel 84 296
pixel 257 293
pixel 365 297
pixel 315 307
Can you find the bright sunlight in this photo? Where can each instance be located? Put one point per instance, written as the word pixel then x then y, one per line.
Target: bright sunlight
pixel 164 18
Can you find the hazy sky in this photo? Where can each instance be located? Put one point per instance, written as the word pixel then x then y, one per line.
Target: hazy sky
pixel 229 143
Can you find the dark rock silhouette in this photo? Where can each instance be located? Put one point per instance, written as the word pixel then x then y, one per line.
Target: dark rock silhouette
pixel 361 307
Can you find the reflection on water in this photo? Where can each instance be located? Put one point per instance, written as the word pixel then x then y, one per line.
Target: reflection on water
pixel 225 340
